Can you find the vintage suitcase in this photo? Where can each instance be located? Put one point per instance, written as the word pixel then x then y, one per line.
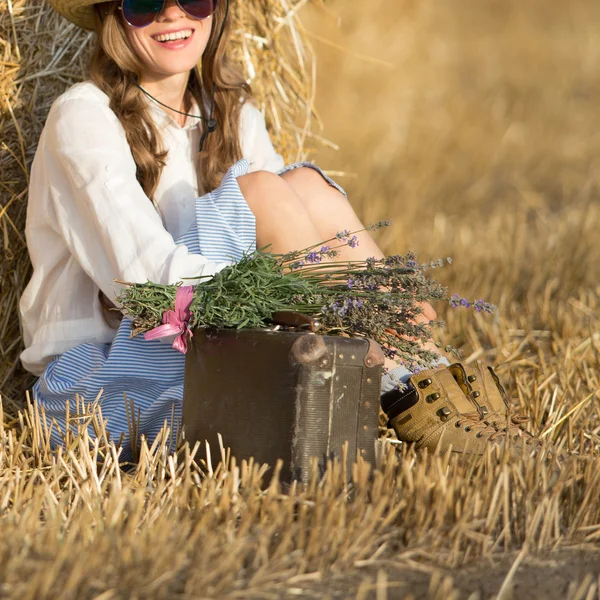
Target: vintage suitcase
pixel 282 395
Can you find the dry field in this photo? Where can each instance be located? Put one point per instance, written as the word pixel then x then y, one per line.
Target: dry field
pixel 474 125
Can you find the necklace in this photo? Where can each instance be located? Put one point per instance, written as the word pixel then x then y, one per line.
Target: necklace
pixel 211 122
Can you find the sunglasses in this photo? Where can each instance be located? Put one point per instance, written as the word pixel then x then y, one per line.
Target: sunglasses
pixel 141 13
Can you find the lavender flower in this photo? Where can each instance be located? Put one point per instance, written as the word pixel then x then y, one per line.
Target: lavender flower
pixel 342 235
pixel 379 225
pixel 374 298
pixel 482 306
pixel 290 256
pixel 456 301
pixel 316 256
pixel 338 309
pixel 434 264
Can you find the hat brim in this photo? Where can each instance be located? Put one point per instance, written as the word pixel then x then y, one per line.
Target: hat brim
pixel 80 12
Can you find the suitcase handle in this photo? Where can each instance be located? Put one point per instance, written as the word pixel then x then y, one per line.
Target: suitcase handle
pixel 290 318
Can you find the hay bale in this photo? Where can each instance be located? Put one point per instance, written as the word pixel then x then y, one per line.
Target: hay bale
pixel 42 54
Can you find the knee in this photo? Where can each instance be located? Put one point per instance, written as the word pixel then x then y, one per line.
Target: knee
pixel 311 185
pixel 257 183
pixel 268 194
pixel 304 176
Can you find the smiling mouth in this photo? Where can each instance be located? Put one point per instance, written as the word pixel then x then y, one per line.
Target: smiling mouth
pixel 175 36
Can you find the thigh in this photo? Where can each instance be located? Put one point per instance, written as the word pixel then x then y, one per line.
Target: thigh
pixel 282 219
pixel 327 206
pixel 330 211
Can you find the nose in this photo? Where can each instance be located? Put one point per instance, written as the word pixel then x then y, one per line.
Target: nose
pixel 171 11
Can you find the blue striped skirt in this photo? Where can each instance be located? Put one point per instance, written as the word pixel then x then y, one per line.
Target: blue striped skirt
pixel 135 371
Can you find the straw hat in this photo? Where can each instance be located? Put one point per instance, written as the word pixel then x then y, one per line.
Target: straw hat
pixel 80 12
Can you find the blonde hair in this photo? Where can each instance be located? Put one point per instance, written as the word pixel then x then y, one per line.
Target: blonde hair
pixel 115 67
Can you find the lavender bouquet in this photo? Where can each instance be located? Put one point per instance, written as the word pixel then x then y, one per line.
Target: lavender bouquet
pixel 376 298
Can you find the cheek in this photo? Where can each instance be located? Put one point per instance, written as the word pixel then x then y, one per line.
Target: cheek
pixel 138 45
pixel 203 35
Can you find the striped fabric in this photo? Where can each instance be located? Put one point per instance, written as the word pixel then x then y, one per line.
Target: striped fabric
pixel 149 373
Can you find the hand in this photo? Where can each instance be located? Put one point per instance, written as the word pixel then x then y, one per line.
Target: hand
pixel 428 313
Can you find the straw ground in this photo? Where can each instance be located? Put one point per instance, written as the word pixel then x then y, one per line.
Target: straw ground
pixel 480 142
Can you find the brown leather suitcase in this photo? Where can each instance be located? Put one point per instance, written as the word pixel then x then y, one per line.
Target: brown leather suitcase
pixel 282 395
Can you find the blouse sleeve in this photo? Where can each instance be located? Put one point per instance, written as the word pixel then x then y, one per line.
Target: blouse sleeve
pixel 109 224
pixel 257 147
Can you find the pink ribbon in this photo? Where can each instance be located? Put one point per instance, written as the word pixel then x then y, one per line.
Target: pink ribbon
pixel 176 322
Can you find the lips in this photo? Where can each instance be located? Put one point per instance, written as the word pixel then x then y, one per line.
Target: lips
pixel 173 36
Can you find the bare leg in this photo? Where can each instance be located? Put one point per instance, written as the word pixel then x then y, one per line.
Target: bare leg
pixel 282 220
pixel 331 212
pixel 299 210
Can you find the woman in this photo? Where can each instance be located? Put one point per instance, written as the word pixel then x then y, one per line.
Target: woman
pixel 119 192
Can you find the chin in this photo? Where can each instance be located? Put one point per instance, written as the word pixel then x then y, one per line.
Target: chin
pixel 176 67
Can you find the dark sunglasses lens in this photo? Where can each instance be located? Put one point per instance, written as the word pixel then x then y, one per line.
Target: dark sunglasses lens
pixel 139 13
pixel 199 9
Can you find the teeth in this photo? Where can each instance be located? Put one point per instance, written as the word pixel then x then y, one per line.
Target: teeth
pixel 170 37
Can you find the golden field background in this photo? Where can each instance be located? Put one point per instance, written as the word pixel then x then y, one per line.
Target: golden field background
pixel 473 124
pixel 480 141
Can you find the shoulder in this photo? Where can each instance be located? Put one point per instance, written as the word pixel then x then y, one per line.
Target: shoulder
pixel 83 103
pixel 87 91
pixel 82 112
pixel 85 94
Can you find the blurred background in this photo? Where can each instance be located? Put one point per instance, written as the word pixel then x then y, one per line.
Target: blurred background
pixel 474 126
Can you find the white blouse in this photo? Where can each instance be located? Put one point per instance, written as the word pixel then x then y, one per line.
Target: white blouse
pixel 89 222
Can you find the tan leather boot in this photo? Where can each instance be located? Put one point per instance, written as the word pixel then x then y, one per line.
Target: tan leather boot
pixel 482 386
pixel 434 413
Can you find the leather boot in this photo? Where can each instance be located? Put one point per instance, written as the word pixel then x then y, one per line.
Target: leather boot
pixel 482 386
pixel 433 412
